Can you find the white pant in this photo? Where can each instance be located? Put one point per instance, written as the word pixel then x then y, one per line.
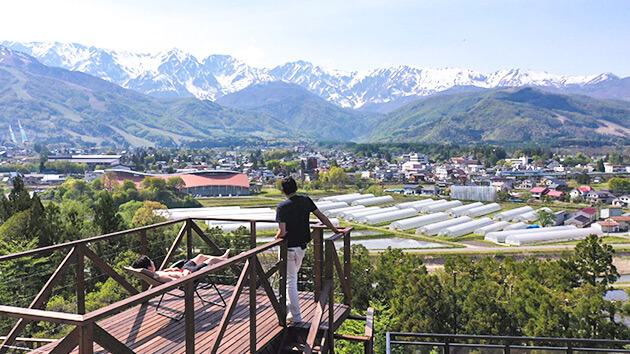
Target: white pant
pixel 294 262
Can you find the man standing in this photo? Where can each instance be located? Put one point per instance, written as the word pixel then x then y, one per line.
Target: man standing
pixel 293 216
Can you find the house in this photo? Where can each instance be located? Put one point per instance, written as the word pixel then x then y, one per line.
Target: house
pixel 409 189
pixel 608 225
pixel 538 192
pixel 589 213
pixel 555 194
pixel 602 197
pixel 551 181
pixel 605 213
pixel 610 168
pixel 580 192
pixel 623 221
pixel 622 201
pixel 431 191
pixel 579 221
pixel 501 187
pixel 524 184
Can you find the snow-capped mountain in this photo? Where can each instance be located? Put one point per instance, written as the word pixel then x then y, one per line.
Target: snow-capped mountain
pixel 175 73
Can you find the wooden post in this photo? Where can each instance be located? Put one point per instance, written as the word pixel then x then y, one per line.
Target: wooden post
pixel 80 280
pixel 189 243
pixel 189 313
pixel 86 339
pixel 282 286
pixel 330 341
pixel 144 249
pixel 252 238
pixel 317 264
pixel 252 303
pixel 347 266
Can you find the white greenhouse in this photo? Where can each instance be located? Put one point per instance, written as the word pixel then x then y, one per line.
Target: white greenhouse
pixel 516 226
pixel 345 214
pixel 179 213
pixel 412 223
pixel 552 236
pixel 356 216
pixel 511 214
pixel 373 201
pixel 330 206
pixel 465 228
pixel 460 210
pixel 337 212
pixel 431 208
pixel 492 227
pixel 531 216
pixel 483 210
pixel 351 198
pixel 332 197
pixel 414 204
pixel 392 215
pixel 500 236
pixel 434 229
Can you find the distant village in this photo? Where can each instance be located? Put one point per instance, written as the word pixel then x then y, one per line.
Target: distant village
pixel 237 172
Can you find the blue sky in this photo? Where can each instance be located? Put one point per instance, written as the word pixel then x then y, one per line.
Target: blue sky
pixel 563 37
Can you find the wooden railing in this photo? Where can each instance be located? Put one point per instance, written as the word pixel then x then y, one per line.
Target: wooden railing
pixel 246 266
pixel 326 264
pixel 87 331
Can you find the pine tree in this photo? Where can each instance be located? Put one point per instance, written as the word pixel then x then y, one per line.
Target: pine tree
pixel 106 215
pixel 19 199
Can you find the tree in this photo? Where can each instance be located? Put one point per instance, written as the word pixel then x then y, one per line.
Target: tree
pixel 545 218
pixel 503 196
pixel 621 185
pixel 600 165
pixel 19 199
pixel 335 177
pixel 593 262
pixel 583 178
pixel 106 215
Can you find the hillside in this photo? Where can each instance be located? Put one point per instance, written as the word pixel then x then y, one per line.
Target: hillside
pixel 505 116
pixel 60 106
pixel 297 107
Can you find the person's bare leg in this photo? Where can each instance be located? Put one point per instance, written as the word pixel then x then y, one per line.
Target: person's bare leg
pixel 216 259
pixel 200 258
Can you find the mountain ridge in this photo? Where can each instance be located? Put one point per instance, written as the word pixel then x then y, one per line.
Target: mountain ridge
pixel 176 74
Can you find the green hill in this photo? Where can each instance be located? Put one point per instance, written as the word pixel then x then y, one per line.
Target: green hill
pixel 60 106
pixel 297 107
pixel 504 116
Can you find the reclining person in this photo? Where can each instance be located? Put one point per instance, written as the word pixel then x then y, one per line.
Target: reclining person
pixel 200 261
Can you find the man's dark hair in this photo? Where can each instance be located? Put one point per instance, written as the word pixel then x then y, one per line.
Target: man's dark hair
pixel 142 262
pixel 288 185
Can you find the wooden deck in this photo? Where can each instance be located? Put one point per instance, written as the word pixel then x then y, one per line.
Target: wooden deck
pixel 145 331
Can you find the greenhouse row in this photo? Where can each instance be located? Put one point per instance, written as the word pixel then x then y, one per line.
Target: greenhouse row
pixel 551 236
pixel 500 236
pixel 412 223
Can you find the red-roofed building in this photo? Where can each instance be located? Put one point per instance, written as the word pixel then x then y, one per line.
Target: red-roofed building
pixel 607 226
pixel 207 183
pixel 538 192
pixel 585 189
pixel 589 213
pixel 555 194
pixel 623 221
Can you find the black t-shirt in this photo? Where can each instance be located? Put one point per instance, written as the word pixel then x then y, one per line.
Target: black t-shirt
pixel 295 213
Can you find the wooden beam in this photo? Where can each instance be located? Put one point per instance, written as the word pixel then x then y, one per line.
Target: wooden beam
pixel 318 316
pixel 189 240
pixel 109 342
pixel 67 344
pixel 347 266
pixel 369 330
pixel 109 271
pixel 189 314
pixel 176 242
pixel 40 298
pixel 282 283
pixel 318 253
pixel 86 339
pixel 253 270
pixel 340 273
pixel 41 315
pixel 144 249
pixel 227 314
pixel 268 289
pixel 80 280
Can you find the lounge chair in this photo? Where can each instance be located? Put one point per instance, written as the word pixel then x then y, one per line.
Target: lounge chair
pixel 150 278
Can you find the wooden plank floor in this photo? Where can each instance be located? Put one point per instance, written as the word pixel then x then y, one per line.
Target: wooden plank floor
pixel 144 331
